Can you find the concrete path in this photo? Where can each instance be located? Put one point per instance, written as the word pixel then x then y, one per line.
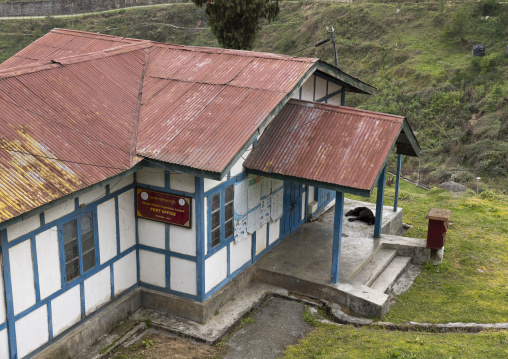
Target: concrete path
pixel 278 323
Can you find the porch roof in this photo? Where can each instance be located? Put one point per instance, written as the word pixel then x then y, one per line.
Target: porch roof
pixel 332 147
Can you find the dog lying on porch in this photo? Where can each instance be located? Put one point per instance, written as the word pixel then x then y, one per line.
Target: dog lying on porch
pixel 361 214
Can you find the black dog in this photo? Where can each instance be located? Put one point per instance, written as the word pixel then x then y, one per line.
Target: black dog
pixel 361 214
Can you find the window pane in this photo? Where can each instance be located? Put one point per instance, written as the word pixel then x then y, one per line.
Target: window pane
pixel 70 231
pixel 72 270
pixel 215 220
pixel 88 261
pixel 228 212
pixel 86 223
pixel 228 232
pixel 71 250
pixel 229 194
pixel 87 242
pixel 215 237
pixel 215 202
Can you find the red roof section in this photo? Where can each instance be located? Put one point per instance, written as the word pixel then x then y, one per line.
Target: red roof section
pixel 341 146
pixel 78 108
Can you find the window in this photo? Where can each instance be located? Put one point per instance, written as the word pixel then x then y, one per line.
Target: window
pixel 216 216
pixel 78 234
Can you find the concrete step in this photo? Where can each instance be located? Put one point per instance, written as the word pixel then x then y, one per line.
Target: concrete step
pixel 374 268
pixel 391 273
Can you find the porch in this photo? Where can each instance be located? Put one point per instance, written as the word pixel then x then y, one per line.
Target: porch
pixel 369 266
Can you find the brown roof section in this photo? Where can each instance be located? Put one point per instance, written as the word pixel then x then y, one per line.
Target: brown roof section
pixel 79 108
pixel 333 147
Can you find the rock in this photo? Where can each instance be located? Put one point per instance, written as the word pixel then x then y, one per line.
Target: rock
pixel 453 186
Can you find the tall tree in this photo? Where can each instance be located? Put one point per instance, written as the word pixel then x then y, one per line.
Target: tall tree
pixel 235 23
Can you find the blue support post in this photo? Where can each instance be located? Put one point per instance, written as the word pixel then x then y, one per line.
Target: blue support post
pixel 8 295
pixel 379 203
pixel 343 97
pixel 397 183
pixel 200 237
pixel 337 235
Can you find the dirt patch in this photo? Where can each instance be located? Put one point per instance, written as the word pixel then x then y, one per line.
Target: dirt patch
pixel 155 345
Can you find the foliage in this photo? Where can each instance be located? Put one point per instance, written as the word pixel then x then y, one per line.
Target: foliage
pixel 458 27
pixel 235 23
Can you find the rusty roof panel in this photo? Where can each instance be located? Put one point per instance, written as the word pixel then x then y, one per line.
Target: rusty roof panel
pixel 324 143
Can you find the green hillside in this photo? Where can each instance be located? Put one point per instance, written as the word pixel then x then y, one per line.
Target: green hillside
pixel 418 55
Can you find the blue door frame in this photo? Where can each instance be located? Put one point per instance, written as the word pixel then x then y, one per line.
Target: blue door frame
pixel 291 218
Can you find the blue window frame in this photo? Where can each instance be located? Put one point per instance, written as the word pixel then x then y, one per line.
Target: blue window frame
pixel 221 214
pixel 78 237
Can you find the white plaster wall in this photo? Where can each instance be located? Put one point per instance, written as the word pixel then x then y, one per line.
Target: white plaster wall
pixel 106 219
pixel 3 311
pixel 121 183
pixel 240 253
pixel 125 272
pixel 303 206
pixel 182 182
pixel 308 89
pixel 261 239
pixel 32 331
pixel 183 240
pixel 22 276
pixel 151 176
pixel 23 227
pixel 59 211
pixel 311 193
pixel 274 232
pixel 152 268
pixel 216 269
pixel 183 275
pixel 206 224
pixel 66 310
pixel 210 184
pixel 238 166
pixel 97 290
pixel 127 220
pixel 4 344
pixel 152 233
pixel 92 196
pixel 48 262
pixel 335 100
pixel 320 88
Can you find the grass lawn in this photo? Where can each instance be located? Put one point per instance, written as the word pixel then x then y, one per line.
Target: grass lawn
pixel 331 341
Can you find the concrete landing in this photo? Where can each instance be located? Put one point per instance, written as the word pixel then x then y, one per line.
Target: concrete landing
pixel 302 261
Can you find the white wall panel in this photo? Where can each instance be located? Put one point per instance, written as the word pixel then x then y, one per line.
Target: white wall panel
pixel 308 89
pixel 66 310
pixel 121 183
pixel 238 166
pixel 22 276
pixel 32 331
pixel 183 275
pixel 106 218
pixel 261 239
pixel 23 227
pixel 59 211
pixel 303 205
pixel 97 290
pixel 152 268
pixel 274 232
pixel 216 269
pixel 92 196
pixel 152 233
pixel 48 261
pixel 240 253
pixel 182 182
pixel 3 310
pixel 127 218
pixel 183 240
pixel 125 272
pixel 151 176
pixel 4 344
pixel 320 88
pixel 206 224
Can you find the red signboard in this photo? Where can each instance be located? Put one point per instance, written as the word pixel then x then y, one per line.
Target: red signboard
pixel 164 207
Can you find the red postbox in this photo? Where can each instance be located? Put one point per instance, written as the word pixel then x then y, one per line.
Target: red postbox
pixel 439 219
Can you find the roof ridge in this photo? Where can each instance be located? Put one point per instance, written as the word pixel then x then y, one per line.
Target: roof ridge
pixel 118 50
pixel 27 69
pixel 337 108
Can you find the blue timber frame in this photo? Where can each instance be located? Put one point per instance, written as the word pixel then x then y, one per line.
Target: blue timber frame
pixel 397 183
pixel 379 202
pixel 337 235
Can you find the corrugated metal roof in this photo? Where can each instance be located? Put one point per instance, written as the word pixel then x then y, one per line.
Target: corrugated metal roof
pixel 341 146
pixel 90 99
